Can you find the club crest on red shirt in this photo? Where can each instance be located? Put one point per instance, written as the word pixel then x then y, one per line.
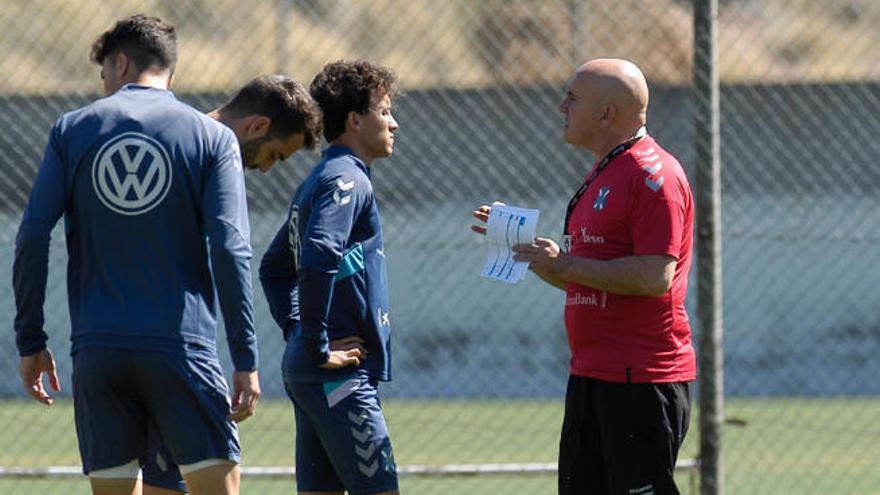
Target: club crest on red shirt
pixel 601 199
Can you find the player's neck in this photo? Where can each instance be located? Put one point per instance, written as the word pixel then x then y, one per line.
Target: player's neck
pixel 226 119
pixel 356 146
pixel 150 80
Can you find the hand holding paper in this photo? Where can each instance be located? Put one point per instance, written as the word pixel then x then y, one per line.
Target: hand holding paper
pixel 506 226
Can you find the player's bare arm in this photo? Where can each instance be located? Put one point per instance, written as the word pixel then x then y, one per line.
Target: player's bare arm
pixel 629 276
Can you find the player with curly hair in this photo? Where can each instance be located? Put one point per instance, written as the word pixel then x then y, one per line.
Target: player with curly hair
pixel 324 277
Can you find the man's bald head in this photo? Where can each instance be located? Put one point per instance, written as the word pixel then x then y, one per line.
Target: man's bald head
pixel 620 81
pixel 607 101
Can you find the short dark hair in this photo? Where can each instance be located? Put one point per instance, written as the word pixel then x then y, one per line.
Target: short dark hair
pixel 284 101
pixel 342 87
pixel 147 41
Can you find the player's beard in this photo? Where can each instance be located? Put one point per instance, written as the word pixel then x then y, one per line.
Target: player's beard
pixel 250 150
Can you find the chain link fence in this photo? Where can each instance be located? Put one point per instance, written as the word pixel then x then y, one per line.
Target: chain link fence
pixel 480 367
pixel 800 215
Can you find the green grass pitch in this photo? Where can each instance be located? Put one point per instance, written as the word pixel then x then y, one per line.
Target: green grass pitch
pixel 804 446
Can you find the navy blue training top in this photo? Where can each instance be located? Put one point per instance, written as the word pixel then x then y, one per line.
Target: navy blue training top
pixel 153 197
pixel 324 272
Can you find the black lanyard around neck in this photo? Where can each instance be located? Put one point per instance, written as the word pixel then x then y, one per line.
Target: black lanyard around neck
pixel 617 151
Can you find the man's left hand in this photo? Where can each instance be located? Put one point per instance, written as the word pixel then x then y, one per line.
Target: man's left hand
pixel 349 343
pixel 543 256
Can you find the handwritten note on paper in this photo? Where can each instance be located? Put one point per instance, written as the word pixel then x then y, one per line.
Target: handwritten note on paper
pixel 508 225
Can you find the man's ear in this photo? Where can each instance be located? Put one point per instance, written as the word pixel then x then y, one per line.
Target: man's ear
pixel 610 113
pixel 122 64
pixel 353 121
pixel 256 126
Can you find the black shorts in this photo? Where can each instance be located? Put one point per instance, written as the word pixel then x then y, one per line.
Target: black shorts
pixel 622 438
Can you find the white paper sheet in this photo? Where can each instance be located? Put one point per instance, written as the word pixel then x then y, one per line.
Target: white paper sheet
pixel 508 225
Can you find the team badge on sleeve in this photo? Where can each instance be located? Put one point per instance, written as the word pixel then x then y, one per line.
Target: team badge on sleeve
pixel 342 195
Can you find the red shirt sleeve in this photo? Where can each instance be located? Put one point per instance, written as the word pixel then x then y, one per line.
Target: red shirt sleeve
pixel 657 214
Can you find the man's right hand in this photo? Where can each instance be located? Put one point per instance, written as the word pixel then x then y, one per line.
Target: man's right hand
pixel 482 214
pixel 341 359
pixel 245 395
pixel 32 369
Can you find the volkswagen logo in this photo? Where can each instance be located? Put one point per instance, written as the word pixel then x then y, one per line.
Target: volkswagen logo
pixel 131 173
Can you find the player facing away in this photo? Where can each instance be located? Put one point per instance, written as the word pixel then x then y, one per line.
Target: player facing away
pixel 324 278
pixel 272 117
pixel 142 181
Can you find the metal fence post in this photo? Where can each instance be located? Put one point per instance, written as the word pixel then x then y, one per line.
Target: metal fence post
pixel 709 287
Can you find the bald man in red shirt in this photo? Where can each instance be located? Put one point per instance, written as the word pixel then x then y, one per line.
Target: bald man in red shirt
pixel 624 269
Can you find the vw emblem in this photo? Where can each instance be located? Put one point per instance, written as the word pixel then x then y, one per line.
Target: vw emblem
pixel 131 174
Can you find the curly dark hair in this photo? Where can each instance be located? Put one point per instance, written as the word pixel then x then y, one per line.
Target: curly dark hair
pixel 284 101
pixel 342 87
pixel 148 41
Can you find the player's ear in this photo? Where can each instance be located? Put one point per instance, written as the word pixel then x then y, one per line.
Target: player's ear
pixel 122 64
pixel 353 121
pixel 257 126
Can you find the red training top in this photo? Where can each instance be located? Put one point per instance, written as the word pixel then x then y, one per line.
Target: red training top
pixel 640 204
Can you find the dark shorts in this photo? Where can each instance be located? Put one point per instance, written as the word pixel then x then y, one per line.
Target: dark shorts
pixel 159 468
pixel 622 438
pixel 127 402
pixel 342 441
